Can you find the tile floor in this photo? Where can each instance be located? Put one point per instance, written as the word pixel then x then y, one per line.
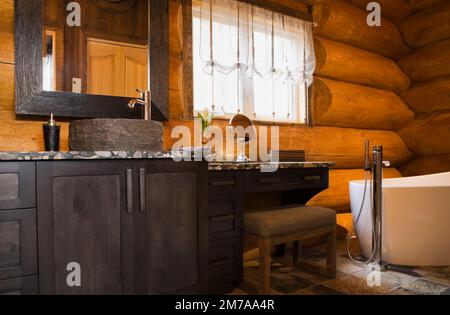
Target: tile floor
pixel 351 278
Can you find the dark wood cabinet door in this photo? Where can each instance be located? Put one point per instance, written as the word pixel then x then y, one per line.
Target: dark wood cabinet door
pixel 172 206
pixel 85 216
pixel 19 286
pixel 18 246
pixel 17 185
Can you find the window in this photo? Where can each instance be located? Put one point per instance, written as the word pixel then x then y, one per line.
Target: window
pixel 250 60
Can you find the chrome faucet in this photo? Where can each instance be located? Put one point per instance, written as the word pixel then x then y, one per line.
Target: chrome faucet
pixel 145 101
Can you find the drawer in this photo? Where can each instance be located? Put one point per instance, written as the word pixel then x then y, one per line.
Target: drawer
pixel 17 185
pixel 20 286
pixel 224 182
pixel 225 260
pixel 18 245
pixel 225 217
pixel 286 179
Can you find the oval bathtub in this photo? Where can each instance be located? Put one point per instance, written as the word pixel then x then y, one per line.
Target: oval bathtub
pixel 416 220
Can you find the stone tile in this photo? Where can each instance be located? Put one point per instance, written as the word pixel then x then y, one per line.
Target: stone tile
pixel 400 291
pixel 312 277
pixel 288 283
pixel 238 292
pixel 318 290
pixel 445 270
pixel 426 287
pixel 345 265
pixel 439 277
pixel 251 288
pixel 352 285
pixel 426 270
pixel 389 278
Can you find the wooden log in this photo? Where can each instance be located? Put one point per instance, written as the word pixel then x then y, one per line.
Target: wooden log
pixel 7 15
pixel 348 105
pixel 427 27
pixel 427 62
pixel 428 96
pixel 394 10
pixel 346 63
pixel 337 197
pixel 345 146
pixel 428 164
pixel 418 5
pixel 343 22
pixel 6 87
pixel 428 135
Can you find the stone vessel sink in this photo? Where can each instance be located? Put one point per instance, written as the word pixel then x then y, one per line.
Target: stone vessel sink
pixel 115 135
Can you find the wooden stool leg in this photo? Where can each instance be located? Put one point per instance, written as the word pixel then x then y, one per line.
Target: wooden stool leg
pixel 331 253
pixel 295 248
pixel 264 266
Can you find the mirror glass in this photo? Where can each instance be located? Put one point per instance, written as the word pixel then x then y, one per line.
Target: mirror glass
pixel 95 46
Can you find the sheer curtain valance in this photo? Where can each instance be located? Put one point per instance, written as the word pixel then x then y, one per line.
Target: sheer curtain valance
pixel 237 36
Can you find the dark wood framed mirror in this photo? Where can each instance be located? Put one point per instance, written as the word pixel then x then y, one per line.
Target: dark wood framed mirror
pixel 30 45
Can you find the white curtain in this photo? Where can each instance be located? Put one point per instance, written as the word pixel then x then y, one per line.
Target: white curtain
pixel 236 36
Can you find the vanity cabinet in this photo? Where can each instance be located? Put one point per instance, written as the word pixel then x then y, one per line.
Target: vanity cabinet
pixel 132 226
pixel 18 239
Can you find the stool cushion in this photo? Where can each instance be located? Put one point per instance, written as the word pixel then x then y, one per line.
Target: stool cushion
pixel 287 220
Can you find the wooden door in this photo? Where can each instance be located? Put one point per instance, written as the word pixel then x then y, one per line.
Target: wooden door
pixel 173 216
pixel 116 68
pixel 85 216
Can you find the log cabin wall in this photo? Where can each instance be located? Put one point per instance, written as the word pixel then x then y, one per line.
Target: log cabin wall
pixel 427 31
pixel 356 95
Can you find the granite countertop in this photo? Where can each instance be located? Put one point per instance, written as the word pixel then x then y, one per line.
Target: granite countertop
pixel 265 166
pixel 117 155
pixel 78 155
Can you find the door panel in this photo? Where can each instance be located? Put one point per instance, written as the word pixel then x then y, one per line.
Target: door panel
pixel 17 185
pixel 18 253
pixel 83 219
pixel 19 286
pixel 87 212
pixel 172 223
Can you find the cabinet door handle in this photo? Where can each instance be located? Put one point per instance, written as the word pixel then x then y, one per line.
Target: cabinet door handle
pixel 130 191
pixel 142 190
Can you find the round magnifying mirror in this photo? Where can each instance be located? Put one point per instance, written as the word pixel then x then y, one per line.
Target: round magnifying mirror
pixel 243 129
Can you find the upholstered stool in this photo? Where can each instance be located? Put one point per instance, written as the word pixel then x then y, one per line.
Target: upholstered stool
pixel 291 224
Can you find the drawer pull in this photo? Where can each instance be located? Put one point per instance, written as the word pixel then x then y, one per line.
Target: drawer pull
pixel 313 178
pixel 222 218
pixel 222 262
pixel 222 183
pixel 142 189
pixel 268 180
pixel 129 191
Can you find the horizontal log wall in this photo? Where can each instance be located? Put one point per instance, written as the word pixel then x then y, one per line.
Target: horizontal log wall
pixel 419 5
pixel 351 53
pixel 344 22
pixel 428 65
pixel 428 26
pixel 343 104
pixel 353 65
pixel 395 10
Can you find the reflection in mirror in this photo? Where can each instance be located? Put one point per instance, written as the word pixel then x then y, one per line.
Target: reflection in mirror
pixel 106 55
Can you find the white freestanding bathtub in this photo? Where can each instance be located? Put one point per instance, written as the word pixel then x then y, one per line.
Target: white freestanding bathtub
pixel 416 220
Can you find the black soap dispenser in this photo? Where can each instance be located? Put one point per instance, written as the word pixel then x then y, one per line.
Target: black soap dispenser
pixel 51 135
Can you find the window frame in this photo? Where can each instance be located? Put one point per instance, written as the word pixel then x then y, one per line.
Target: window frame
pixel 299 108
